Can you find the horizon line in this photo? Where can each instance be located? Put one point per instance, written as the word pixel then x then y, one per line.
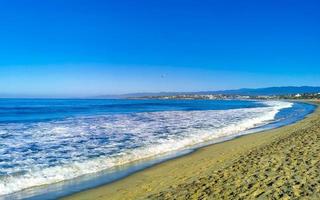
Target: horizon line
pixel 97 96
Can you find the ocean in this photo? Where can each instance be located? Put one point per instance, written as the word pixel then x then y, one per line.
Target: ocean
pixel 68 145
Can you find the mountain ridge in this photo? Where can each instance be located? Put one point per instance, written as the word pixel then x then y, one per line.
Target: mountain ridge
pixel 267 91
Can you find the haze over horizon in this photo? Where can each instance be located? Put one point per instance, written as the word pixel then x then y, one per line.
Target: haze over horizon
pixel 90 48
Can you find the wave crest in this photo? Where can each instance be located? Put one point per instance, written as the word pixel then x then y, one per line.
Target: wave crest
pixel 61 150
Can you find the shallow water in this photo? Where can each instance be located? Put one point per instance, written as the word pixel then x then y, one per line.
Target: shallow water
pixel 49 141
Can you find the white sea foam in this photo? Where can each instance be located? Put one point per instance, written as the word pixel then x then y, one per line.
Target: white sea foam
pixel 45 153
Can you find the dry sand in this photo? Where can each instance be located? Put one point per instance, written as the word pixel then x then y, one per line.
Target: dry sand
pixel 282 163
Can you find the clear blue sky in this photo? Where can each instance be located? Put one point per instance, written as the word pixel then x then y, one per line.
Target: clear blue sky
pixel 80 48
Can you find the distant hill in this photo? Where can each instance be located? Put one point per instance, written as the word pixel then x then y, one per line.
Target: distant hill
pixel 271 91
pixel 244 91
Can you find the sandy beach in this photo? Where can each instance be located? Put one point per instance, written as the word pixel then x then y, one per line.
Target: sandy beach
pixel 282 163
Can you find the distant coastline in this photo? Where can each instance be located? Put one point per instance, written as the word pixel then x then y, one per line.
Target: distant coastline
pixel 269 92
pixel 297 96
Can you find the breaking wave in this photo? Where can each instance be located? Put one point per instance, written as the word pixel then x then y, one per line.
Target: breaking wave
pixel 39 153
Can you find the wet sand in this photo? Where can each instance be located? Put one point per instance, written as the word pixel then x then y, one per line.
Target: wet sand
pixel 282 163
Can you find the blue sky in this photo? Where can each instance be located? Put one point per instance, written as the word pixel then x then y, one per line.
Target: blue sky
pixel 81 48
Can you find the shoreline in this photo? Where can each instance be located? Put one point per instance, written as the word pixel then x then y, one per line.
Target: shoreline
pixel 201 162
pixel 87 182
